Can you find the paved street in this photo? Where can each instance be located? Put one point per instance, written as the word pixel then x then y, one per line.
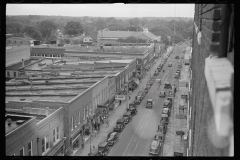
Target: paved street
pixel 135 139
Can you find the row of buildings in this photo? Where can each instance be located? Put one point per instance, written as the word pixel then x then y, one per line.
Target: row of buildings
pixel 51 97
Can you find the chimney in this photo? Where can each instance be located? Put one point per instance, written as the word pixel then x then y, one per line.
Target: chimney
pixel 47 111
pixel 22 63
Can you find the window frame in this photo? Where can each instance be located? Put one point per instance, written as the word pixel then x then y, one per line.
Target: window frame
pixel 20 150
pixel 46 143
pixel 30 149
pixel 79 117
pixel 72 123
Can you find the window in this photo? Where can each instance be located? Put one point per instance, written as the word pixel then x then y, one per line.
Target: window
pixel 30 148
pixel 8 74
pixel 75 120
pixel 79 117
pixel 14 74
pixel 87 111
pixel 72 121
pixel 21 152
pixel 84 114
pixel 56 135
pixel 45 144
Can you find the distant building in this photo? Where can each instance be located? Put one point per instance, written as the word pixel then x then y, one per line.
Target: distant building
pixel 106 36
pixel 87 39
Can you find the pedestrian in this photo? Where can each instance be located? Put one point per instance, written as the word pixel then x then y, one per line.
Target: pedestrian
pixel 120 102
pixel 107 123
pixel 99 126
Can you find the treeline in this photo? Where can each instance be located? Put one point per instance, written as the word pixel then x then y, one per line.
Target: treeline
pixel 46 27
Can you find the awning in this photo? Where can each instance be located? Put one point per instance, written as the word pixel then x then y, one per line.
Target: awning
pixel 136 80
pixel 101 106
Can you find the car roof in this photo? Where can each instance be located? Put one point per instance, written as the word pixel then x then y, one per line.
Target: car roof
pixel 164 115
pixel 150 100
pixel 167 83
pixel 154 143
pixel 113 133
pixel 120 120
pixel 166 101
pixel 102 144
pixel 165 109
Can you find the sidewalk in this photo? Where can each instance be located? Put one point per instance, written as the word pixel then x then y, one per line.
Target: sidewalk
pixel 114 116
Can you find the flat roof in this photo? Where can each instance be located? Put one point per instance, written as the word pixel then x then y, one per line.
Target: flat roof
pixel 13 122
pixel 18 65
pixel 36 66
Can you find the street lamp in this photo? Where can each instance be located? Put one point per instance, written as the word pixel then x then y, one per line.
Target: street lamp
pixel 89 119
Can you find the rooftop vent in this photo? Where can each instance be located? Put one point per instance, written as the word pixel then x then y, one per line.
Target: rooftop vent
pixel 20 121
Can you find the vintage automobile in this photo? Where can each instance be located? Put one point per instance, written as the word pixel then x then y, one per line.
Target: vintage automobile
pixel 156 73
pixel 169 64
pixel 170 93
pixel 177 57
pixel 162 94
pixel 167 85
pixel 164 118
pixel 176 75
pixel 167 104
pixel 155 148
pixel 159 69
pixel 166 111
pixel 133 111
pixel 112 138
pixel 121 122
pixel 127 116
pixel 159 136
pixel 148 86
pixel 162 127
pixel 170 99
pixel 103 148
pixel 149 103
pixel 118 128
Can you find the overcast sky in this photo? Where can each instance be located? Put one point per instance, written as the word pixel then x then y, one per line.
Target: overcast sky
pixel 103 10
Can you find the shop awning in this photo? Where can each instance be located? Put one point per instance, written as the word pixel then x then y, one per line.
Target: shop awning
pixel 136 80
pixel 101 106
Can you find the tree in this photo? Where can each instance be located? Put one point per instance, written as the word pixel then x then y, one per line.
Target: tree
pixel 13 27
pixel 32 32
pixel 100 24
pixel 46 28
pixel 73 28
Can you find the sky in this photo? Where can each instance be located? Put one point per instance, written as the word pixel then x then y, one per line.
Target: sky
pixel 103 10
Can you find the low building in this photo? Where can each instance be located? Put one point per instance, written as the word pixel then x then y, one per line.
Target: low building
pixel 87 39
pixel 78 86
pixel 34 131
pixel 106 36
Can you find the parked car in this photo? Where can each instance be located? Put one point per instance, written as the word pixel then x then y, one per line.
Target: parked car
pixel 162 94
pixel 166 104
pixel 162 127
pixel 167 85
pixel 103 148
pixel 159 136
pixel 169 64
pixel 133 111
pixel 119 127
pixel 177 57
pixel 170 99
pixel 149 103
pixel 159 69
pixel 155 148
pixel 127 116
pixel 166 111
pixel 112 138
pixel 176 75
pixel 170 93
pixel 164 118
pixel 156 73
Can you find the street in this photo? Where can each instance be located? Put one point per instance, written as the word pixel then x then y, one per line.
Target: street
pixel 136 138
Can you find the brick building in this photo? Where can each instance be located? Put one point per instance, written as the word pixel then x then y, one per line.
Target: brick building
pixel 212 87
pixel 34 131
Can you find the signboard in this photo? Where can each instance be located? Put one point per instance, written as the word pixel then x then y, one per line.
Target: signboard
pixel 120 97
